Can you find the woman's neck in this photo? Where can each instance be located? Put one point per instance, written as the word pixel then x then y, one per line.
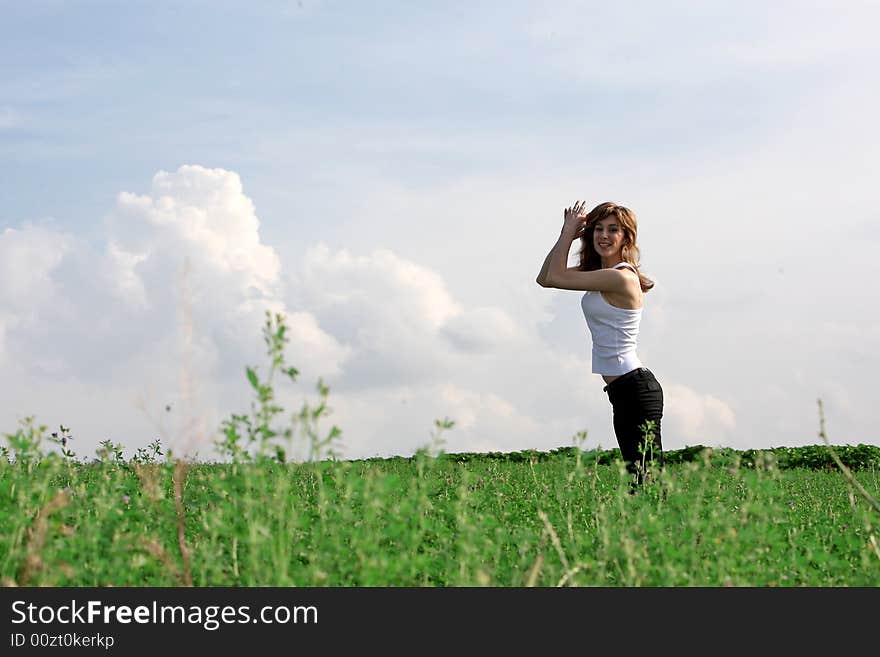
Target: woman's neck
pixel 610 262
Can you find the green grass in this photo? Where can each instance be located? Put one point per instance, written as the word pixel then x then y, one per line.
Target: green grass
pixel 433 521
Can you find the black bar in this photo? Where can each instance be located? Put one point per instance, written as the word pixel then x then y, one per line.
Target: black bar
pixel 287 620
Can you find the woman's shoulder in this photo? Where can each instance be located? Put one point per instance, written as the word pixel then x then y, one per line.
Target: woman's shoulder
pixel 634 283
pixel 627 270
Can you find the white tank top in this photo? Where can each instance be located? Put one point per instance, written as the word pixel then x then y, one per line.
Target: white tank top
pixel 615 332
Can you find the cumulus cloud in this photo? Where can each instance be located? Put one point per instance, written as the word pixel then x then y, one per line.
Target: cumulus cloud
pixel 397 317
pixel 203 214
pixel 169 312
pixel 39 292
pixel 482 329
pixel 28 256
pixel 184 279
pixel 403 290
pixel 197 232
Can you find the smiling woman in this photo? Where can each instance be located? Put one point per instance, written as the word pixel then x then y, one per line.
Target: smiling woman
pixel 613 286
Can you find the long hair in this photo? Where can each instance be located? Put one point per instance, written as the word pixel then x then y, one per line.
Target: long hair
pixel 590 260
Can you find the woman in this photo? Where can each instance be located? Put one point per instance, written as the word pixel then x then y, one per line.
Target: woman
pixel 612 305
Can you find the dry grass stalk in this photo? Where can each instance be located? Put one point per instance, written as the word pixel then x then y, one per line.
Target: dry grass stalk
pixel 535 570
pixel 554 538
pixel 180 469
pixel 845 470
pixel 571 573
pixel 148 474
pixel 37 537
pixel 156 549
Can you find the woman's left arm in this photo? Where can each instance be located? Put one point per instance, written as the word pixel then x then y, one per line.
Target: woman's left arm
pixel 603 280
pixel 557 259
pixel 545 268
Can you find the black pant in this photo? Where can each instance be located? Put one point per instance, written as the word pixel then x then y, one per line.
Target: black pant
pixel 637 397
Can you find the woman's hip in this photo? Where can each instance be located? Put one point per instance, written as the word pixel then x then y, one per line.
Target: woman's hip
pixel 638 386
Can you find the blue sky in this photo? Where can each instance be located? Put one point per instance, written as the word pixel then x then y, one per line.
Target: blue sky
pixel 106 92
pixel 402 168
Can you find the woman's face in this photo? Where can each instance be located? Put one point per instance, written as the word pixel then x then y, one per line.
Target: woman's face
pixel 607 237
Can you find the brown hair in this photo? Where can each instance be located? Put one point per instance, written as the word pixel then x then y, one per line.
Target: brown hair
pixel 590 260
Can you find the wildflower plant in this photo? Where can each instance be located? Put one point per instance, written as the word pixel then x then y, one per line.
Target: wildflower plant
pixel 246 436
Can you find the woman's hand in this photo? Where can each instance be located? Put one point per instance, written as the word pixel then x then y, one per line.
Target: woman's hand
pixel 575 219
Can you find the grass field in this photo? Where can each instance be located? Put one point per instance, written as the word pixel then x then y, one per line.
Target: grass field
pixel 563 519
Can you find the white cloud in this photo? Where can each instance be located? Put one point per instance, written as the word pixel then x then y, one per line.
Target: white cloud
pixel 197 234
pixel 400 419
pixel 401 289
pixel 126 283
pixel 482 329
pixel 694 418
pixel 386 310
pixel 202 213
pixel 27 258
pixel 183 284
